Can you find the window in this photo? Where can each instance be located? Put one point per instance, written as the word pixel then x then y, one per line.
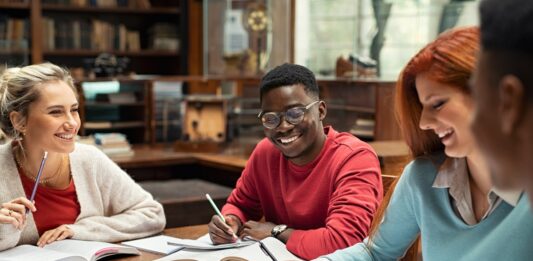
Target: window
pixel 326 30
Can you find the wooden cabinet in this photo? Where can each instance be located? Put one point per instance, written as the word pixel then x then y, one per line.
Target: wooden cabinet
pixel 149 33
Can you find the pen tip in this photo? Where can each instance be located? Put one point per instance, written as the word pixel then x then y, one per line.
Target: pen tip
pixel 45 154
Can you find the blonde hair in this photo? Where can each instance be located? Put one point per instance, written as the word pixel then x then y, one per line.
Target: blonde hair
pixel 19 88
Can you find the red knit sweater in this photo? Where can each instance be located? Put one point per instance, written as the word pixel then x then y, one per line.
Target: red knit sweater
pixel 329 202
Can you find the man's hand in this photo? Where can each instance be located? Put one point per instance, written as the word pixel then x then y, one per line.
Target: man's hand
pixel 59 233
pixel 257 230
pixel 223 233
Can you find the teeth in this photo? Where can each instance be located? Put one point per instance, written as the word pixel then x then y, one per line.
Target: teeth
pixel 442 134
pixel 65 136
pixel 288 140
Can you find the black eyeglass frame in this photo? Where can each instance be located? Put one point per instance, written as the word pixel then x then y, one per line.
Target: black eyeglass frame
pixel 282 114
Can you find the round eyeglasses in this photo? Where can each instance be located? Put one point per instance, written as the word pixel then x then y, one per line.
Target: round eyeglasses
pixel 294 115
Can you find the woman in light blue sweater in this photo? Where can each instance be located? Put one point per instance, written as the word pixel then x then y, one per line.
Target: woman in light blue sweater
pixel 445 195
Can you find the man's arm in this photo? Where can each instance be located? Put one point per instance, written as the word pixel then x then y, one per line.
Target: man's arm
pixel 357 194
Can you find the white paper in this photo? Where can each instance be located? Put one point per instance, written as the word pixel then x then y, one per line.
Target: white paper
pixel 205 243
pixel 157 244
pixel 251 252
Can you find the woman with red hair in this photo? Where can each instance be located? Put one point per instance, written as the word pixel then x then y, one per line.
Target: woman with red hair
pixel 445 194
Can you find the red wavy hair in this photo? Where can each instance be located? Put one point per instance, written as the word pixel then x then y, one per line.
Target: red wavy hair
pixel 449 59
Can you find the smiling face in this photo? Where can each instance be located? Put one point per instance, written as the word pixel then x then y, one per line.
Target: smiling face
pixel 302 142
pixel 53 120
pixel 446 111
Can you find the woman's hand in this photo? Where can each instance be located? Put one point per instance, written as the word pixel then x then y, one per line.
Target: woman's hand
pixel 57 234
pixel 14 212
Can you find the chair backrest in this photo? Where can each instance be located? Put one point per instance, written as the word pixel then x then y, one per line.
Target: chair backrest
pixel 387 181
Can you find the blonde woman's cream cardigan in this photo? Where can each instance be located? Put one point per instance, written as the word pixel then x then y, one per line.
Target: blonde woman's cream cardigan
pixel 113 207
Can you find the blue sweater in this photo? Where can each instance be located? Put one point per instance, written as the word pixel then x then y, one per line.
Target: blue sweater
pixel 418 208
pixel 511 240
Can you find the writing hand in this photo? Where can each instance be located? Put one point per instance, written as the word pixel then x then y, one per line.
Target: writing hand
pixel 223 233
pixel 257 230
pixel 14 212
pixel 57 234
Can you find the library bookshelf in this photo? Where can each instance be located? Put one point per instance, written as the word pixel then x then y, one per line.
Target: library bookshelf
pixel 72 33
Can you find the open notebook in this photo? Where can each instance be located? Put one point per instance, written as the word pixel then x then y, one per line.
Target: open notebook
pixel 67 250
pixel 244 250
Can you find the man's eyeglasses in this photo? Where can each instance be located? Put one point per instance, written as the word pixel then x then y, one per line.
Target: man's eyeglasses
pixel 294 116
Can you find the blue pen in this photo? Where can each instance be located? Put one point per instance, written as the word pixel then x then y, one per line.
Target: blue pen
pixel 34 191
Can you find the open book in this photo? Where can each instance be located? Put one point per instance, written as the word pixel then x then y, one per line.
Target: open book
pixel 67 250
pixel 247 250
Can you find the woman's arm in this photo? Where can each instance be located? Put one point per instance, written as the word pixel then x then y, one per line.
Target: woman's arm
pixel 398 230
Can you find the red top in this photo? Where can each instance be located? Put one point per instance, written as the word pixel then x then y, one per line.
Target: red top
pixel 330 202
pixel 55 207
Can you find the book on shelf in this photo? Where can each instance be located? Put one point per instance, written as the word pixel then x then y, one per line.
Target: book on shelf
pixel 116 98
pixel 67 250
pixel 109 138
pixel 14 33
pixel 363 128
pixel 97 124
pixel 88 34
pixel 163 36
pixel 113 144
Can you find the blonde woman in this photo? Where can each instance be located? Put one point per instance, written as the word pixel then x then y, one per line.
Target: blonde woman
pixel 82 194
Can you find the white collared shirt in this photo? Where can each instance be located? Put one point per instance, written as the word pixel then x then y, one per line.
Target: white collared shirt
pixel 453 174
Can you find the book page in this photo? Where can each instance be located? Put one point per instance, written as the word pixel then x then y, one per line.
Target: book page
pixel 252 252
pixel 28 252
pixel 204 243
pixel 156 244
pixel 279 249
pixel 90 250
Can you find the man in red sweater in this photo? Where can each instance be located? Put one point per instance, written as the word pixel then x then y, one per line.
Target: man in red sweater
pixel 316 188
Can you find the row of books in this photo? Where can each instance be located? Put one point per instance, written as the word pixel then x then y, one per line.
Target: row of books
pixel 102 3
pixel 167 103
pixel 14 32
pixel 88 34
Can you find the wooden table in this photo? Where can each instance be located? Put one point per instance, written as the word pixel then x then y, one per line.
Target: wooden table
pixel 189 232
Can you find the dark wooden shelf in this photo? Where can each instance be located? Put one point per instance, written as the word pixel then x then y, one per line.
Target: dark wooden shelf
pixel 15 6
pixel 14 52
pixel 170 123
pixel 350 108
pixel 141 53
pixel 117 125
pixel 109 104
pixel 111 10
